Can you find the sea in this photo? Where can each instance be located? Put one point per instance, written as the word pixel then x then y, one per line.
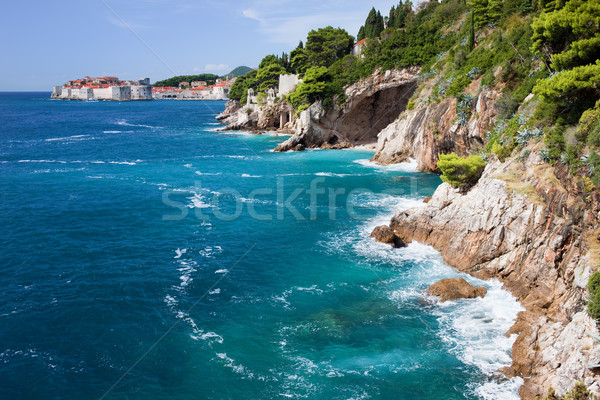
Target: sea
pixel 146 255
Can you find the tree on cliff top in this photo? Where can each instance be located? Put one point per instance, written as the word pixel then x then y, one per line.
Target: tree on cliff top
pixel 373 26
pixel 398 15
pixel 327 45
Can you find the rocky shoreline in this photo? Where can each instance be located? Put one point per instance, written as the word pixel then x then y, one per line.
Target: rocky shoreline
pixel 525 223
pixel 533 240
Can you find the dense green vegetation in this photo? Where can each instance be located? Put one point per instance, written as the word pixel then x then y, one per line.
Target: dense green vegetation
pixel 324 47
pixel 546 47
pixel 460 172
pixel 210 79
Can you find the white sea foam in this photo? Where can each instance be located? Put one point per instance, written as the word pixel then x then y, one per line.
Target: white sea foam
pixel 122 162
pixel 240 133
pixel 331 174
pixel 214 291
pixel 210 251
pixel 313 289
pixel 473 330
pixel 222 271
pixel 251 176
pixel 56 170
pixel 198 201
pixel 43 161
pixel 207 173
pixel 410 166
pixel 235 367
pixel 171 301
pixel 112 131
pixel 125 123
pixel 69 138
pixel 180 252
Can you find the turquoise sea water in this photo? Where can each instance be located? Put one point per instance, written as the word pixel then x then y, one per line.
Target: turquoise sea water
pixel 146 256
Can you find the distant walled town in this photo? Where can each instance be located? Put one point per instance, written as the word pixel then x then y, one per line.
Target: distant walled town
pixel 111 88
pixel 105 88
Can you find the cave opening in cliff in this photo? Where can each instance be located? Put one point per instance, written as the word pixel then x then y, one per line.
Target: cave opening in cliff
pixel 369 115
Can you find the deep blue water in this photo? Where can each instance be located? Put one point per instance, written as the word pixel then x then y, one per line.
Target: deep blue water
pixel 146 256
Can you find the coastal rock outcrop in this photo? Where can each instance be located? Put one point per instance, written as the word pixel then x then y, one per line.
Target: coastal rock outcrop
pixel 454 289
pixel 371 105
pixel 385 234
pixel 263 117
pixel 522 225
pixel 428 130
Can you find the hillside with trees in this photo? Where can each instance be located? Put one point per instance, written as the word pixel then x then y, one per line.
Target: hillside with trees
pixel 210 79
pixel 546 47
pixel 239 71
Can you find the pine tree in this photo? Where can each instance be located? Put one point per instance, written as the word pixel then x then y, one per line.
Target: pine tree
pixel 480 8
pixel 494 11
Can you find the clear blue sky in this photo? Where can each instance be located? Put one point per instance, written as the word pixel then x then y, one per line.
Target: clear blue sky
pixel 46 43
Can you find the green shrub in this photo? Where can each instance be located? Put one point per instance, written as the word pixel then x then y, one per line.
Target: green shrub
pixel 502 152
pixel 458 85
pixel 579 392
pixel 460 172
pixel 555 143
pixel 594 289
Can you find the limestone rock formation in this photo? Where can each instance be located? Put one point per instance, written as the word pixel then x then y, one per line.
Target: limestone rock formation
pixel 455 288
pixel 371 105
pixel 426 131
pixel 231 107
pixel 385 234
pixel 253 117
pixel 521 225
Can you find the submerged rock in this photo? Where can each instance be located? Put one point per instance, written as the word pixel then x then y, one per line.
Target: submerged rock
pixel 455 288
pixel 385 234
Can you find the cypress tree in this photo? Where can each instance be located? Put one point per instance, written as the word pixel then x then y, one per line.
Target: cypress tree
pixel 392 17
pixel 371 23
pixel 361 34
pixel 472 32
pixel 379 26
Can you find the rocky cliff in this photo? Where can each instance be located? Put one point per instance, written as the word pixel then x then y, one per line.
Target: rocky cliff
pixel 532 231
pixel 371 105
pixel 430 129
pixel 257 117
